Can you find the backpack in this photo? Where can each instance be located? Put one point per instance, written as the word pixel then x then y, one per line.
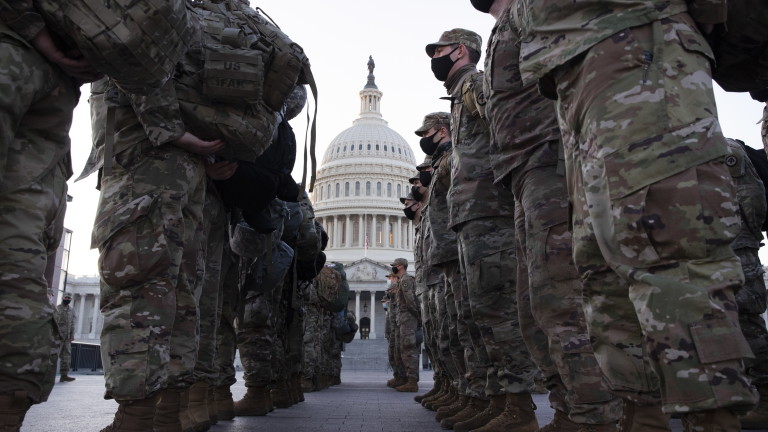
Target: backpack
pixel 342 297
pixel 137 43
pixel 308 241
pixel 328 283
pixel 348 329
pixel 740 47
pixel 760 163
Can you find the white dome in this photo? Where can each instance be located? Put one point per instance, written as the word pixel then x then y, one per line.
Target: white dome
pixel 363 174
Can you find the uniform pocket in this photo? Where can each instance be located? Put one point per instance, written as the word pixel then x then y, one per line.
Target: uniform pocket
pixel 719 340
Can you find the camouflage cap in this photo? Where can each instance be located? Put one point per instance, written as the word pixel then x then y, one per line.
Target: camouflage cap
pixel 462 36
pixel 426 164
pixel 405 198
pixel 67 296
pixel 413 179
pixel 433 119
pixel 400 261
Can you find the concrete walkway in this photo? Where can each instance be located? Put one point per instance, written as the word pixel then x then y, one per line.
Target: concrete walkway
pixel 361 403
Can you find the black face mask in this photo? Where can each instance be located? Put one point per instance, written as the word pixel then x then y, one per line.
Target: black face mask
pixel 442 65
pixel 428 145
pixel 409 213
pixel 65 302
pixel 394 270
pixel 425 177
pixel 417 195
pixel 482 5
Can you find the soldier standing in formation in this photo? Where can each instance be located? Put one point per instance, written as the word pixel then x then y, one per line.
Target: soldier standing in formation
pixel 407 321
pixel 65 321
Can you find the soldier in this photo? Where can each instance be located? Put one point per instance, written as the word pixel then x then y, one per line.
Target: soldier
pixel 407 319
pixel 524 156
pixel 481 213
pixel 392 333
pixel 751 298
pixel 654 208
pixel 40 90
pixel 65 321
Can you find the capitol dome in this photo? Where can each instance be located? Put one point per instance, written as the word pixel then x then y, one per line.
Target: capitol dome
pixel 363 174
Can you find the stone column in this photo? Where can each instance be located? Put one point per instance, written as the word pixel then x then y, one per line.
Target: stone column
pixel 373 315
pixel 95 316
pixel 385 231
pixel 361 231
pixel 80 317
pixel 336 231
pixel 348 231
pixel 357 311
pixel 400 233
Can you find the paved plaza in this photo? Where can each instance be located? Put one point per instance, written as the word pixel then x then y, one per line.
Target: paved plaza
pixel 361 403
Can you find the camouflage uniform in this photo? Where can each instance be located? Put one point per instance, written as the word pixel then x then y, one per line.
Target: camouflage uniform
pixel 226 342
pixel 524 157
pixel 312 331
pixel 751 298
pixel 148 229
pixel 37 100
pixel 637 115
pixel 482 213
pixel 407 323
pixel 65 321
pixel 393 340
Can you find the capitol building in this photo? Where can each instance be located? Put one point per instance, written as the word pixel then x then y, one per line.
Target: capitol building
pixel 363 174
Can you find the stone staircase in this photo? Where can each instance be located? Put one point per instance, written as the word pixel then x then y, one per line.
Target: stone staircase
pixel 365 355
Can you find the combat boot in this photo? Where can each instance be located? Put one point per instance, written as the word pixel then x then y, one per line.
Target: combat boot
pixel 13 408
pixel 715 420
pixel 428 401
pixel 256 402
pixel 561 423
pixel 66 378
pixel 518 415
pixel 758 417
pixel 198 406
pixel 307 386
pixel 185 418
pixel 213 414
pixel 643 418
pixel 296 383
pixel 448 399
pixel 494 409
pixel 452 409
pixel 335 380
pixel 167 411
pixel 225 406
pixel 435 389
pixel 397 381
pixel 410 386
pixel 134 416
pixel 280 396
pixel 473 408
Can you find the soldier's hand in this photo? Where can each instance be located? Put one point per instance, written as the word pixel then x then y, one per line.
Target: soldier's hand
pixel 195 145
pixel 72 63
pixel 221 170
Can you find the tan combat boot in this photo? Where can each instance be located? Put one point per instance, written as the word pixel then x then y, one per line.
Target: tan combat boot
pixel 758 417
pixel 397 381
pixel 187 423
pixel 134 416
pixel 428 401
pixel 561 423
pixel 452 409
pixel 280 396
pixel 435 389
pixel 410 386
pixel 296 383
pixel 66 378
pixel 518 415
pixel 167 411
pixel 473 408
pixel 13 408
pixel 256 402
pixel 198 406
pixel 643 418
pixel 307 386
pixel 213 413
pixel 448 399
pixel 494 409
pixel 716 420
pixel 225 406
pixel 335 380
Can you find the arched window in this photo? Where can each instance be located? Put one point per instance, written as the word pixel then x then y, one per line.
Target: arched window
pixel 385 148
pixel 369 146
pixel 399 150
pixel 377 147
pixel 357 188
pixel 338 190
pixel 368 188
pixel 338 149
pixel 393 149
pixel 360 147
pixel 346 189
pixel 378 188
pixel 399 191
pixel 345 148
pixel 389 190
pixel 352 148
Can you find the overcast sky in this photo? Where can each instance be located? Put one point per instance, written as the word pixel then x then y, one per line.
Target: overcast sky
pixel 338 36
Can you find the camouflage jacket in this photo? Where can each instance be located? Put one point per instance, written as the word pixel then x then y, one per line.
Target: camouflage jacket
pixel 472 194
pixel 750 194
pixel 444 246
pixel 523 124
pixel 406 297
pixel 556 31
pixel 419 231
pixel 20 16
pixel 65 320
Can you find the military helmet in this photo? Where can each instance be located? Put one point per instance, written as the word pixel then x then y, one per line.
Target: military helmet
pixel 295 102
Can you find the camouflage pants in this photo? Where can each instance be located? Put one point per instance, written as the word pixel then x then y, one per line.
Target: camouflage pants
pixel 216 234
pixel 65 357
pixel 460 342
pixel 312 345
pixel 295 333
pixel 751 299
pixel 554 302
pixel 489 262
pixel 407 346
pixel 226 338
pixel 443 334
pixel 31 226
pixel 148 230
pixel 654 217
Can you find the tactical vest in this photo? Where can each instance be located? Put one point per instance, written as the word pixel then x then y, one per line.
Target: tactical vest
pixel 135 42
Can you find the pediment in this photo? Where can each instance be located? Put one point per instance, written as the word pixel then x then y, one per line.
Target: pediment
pixel 366 270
